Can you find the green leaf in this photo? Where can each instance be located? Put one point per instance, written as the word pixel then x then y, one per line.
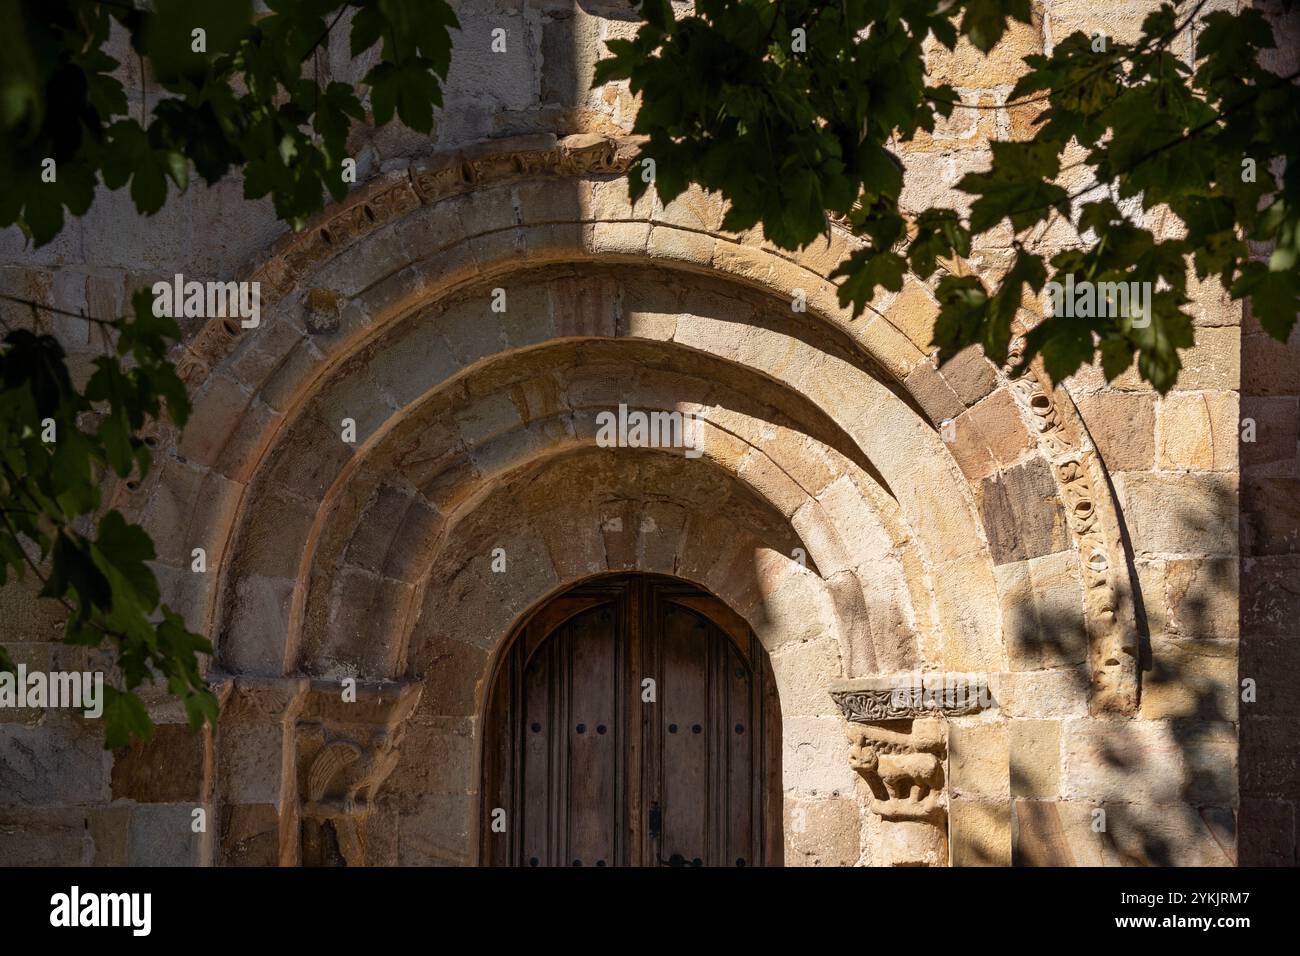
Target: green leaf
pixel 122 550
pixel 125 718
pixel 963 312
pixel 1274 298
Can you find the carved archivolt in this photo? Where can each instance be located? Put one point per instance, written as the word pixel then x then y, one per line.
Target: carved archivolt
pixel 392 196
pixel 1092 522
pixel 1112 639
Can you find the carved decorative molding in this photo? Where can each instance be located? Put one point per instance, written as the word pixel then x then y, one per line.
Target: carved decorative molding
pixel 271 699
pixel 898 744
pixel 1092 522
pixel 1112 637
pixel 872 699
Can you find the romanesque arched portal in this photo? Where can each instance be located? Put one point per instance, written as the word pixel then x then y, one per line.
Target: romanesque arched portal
pixel 407 457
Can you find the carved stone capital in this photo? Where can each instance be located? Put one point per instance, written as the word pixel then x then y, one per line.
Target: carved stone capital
pixel 902 763
pixel 348 739
pixel 898 744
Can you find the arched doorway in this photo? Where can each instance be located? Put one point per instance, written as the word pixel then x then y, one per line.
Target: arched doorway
pixel 632 721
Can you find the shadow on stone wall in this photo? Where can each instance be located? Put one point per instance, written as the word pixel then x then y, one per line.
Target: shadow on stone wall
pixel 1166 781
pixel 1270 598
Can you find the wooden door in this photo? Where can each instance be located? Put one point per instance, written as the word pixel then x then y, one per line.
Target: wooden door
pixel 632 721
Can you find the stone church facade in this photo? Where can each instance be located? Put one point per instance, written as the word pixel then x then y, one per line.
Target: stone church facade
pixel 1074 578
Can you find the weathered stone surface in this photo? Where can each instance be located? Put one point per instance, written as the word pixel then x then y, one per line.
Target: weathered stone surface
pixel 813 759
pixel 1070 833
pixel 1273 664
pixel 1035 758
pixel 968 447
pixel 1214 362
pixel 53 764
pixel 163 835
pixel 435 830
pixel 1165 762
pixel 1198 431
pixel 1059 692
pixel 1122 424
pixel 966 66
pixel 435 753
pixel 1201 597
pixel 1273 744
pixel 1276 432
pixel 1270 516
pixel 968 617
pixel 1001 424
pixel 980 832
pixel 1022 514
pixel 1267 833
pixel 822 831
pixel 166 769
pixel 801 670
pixel 913 312
pixel 110 835
pixel 1180 514
pixel 1191 678
pixel 970 375
pixel 250 835
pixel 935 395
pixel 1041 603
pixel 977 760
pixel 35 836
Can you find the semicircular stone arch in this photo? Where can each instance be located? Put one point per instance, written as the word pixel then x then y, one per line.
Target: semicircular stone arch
pixel 938 514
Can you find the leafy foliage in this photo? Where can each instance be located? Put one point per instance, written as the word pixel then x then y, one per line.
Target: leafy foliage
pixel 245 98
pixel 787 130
pixel 56 445
pixel 249 99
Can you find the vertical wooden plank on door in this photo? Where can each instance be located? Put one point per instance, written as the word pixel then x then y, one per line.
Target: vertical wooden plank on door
pixel 630 724
pixel 715 651
pixel 742 783
pixel 593 816
pixel 684 699
pixel 498 773
pixel 533 807
pixel 651 728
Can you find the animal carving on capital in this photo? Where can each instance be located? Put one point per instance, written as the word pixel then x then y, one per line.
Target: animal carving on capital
pixel 342 781
pixel 903 766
